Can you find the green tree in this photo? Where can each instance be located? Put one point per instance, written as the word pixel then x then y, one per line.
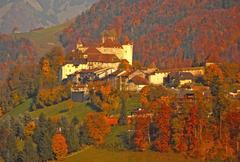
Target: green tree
pixel 42 138
pixel 75 121
pixel 18 128
pixel 123 114
pixel 44 146
pixel 83 136
pixel 10 152
pixel 63 124
pixel 30 151
pixel 72 139
pixel 27 118
pixel 219 100
pixel 20 157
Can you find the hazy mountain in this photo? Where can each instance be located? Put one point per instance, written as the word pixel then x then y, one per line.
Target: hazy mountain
pixel 26 15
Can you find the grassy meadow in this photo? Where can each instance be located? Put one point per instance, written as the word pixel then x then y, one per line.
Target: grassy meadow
pixel 79 110
pixel 44 39
pixel 101 155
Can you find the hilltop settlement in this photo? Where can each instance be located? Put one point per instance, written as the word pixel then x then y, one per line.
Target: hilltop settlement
pixel 97 94
pixel 109 62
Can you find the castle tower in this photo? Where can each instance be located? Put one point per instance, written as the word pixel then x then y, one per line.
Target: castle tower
pixel 128 52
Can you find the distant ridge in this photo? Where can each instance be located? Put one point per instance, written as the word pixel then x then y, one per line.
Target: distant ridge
pixel 26 15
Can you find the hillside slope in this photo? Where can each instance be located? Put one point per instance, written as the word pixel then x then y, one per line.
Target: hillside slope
pixel 44 39
pixel 170 33
pixel 25 15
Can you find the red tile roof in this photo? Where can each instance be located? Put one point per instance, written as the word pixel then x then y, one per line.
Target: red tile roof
pixel 92 51
pixel 108 43
pixel 139 80
pixel 89 70
pixel 104 58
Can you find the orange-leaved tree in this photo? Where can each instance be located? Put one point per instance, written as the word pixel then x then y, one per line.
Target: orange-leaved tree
pixel 59 146
pixel 144 96
pixel 162 120
pixel 213 71
pixel 97 127
pixel 192 125
pixel 141 135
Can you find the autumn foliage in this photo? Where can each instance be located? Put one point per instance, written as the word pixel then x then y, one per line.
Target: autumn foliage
pixel 162 120
pixel 59 146
pixel 106 98
pixel 212 71
pixel 142 136
pixel 29 128
pixel 97 127
pixel 169 33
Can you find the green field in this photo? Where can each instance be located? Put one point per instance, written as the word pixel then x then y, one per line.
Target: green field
pixel 45 39
pixel 20 109
pixel 79 110
pixel 132 103
pixel 101 155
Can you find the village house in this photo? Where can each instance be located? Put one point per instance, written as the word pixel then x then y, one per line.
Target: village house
pixel 88 75
pixel 79 92
pixel 178 79
pixel 133 80
pixel 235 94
pixel 158 76
pixel 70 68
pixel 137 83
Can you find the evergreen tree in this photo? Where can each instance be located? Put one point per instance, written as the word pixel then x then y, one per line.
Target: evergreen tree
pixel 42 138
pixel 52 127
pixel 44 146
pixel 75 120
pixel 41 125
pixel 27 118
pixel 18 129
pixel 219 100
pixel 123 114
pixel 83 136
pixel 63 124
pixel 10 152
pixel 30 151
pixel 20 157
pixel 72 139
pixel 42 120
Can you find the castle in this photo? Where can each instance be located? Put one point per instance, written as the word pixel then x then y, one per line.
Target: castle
pixel 107 54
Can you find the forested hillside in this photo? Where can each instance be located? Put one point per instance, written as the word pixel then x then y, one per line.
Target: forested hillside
pixel 170 33
pixel 13 50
